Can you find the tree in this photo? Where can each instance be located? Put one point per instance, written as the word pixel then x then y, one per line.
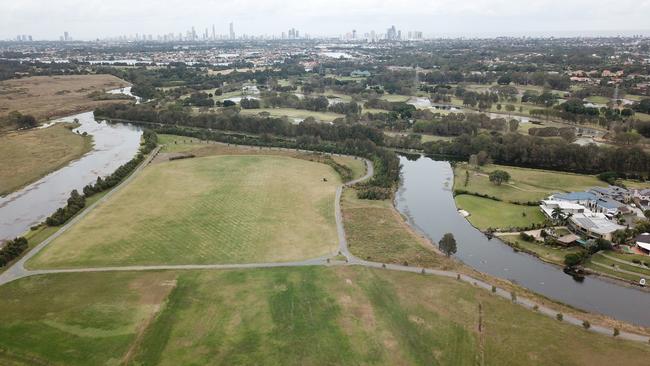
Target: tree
pixel 447 244
pixel 573 259
pixel 499 176
pixel 504 80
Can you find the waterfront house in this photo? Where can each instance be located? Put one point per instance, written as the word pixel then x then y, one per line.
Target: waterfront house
pixel 593 225
pixel 642 242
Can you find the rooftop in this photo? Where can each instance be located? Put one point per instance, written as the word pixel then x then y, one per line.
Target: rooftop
pixel 596 223
pixel 575 196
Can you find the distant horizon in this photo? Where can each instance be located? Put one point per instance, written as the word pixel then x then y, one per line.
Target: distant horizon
pixel 277 36
pixel 93 19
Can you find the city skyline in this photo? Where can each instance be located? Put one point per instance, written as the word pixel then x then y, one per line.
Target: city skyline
pixel 92 19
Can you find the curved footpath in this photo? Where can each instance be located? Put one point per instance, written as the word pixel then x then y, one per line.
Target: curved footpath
pixel 18 270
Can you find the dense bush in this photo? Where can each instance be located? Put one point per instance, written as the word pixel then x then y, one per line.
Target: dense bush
pixel 12 250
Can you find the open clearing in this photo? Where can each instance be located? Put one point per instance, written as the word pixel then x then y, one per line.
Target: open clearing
pixel 32 154
pixel 487 213
pixel 525 184
pixel 214 209
pixel 294 113
pixel 283 316
pixel 376 232
pixel 46 97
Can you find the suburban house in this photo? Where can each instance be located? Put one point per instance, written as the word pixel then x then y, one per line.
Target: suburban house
pixel 581 198
pixel 594 225
pixel 643 242
pixel 612 192
pixel 567 207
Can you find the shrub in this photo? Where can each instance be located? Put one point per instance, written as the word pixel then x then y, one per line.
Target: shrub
pixel 494 289
pixel 559 316
pixel 616 332
pixel 586 324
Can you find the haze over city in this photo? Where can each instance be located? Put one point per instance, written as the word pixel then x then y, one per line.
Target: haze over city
pixel 87 20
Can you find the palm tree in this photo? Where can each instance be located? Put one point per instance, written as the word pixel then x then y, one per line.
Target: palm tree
pixel 557 214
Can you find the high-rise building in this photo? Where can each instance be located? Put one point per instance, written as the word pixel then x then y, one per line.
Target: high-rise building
pixel 354 34
pixel 232 30
pixel 214 33
pixel 66 36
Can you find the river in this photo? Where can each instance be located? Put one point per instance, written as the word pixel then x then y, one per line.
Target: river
pixel 113 145
pixel 425 198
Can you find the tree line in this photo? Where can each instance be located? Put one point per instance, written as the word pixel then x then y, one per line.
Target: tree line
pixel 552 154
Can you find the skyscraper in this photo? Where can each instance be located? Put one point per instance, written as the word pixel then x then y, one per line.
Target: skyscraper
pixel 66 36
pixel 232 30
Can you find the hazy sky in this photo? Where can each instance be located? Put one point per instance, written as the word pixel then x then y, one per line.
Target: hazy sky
pixel 87 19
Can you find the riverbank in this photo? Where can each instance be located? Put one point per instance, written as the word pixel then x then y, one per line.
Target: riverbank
pixel 113 145
pixel 29 155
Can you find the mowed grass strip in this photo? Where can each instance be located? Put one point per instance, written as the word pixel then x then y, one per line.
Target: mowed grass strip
pixel 487 213
pixel 376 232
pixel 30 155
pixel 215 209
pixel 75 319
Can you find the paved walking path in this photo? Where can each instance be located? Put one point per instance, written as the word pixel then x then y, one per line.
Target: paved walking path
pixel 18 270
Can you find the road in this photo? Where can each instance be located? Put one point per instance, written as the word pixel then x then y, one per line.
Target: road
pixel 18 270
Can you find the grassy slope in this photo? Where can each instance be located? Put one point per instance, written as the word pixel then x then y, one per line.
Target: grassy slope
pixel 284 316
pixel 376 232
pixel 30 155
pixel 548 253
pixel 220 209
pixel 487 213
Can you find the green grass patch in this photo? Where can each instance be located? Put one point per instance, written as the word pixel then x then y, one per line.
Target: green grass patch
pixel 283 316
pixel 525 184
pixel 215 209
pixel 72 319
pixel 294 113
pixel 546 252
pixel 486 213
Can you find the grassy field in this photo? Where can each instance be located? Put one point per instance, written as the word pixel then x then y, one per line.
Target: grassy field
pixel 294 113
pixel 283 316
pixel 487 213
pixel 217 209
pixel 77 320
pixel 46 97
pixel 548 253
pixel 30 155
pixel 376 232
pixel 395 97
pixel 597 99
pixel 525 184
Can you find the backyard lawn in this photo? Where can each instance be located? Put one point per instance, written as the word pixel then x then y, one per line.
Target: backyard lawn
pixel 486 213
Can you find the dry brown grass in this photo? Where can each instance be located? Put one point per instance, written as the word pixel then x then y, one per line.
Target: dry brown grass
pixel 46 97
pixel 29 155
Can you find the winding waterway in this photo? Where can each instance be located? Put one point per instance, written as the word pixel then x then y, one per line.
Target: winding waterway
pixel 113 145
pixel 425 198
